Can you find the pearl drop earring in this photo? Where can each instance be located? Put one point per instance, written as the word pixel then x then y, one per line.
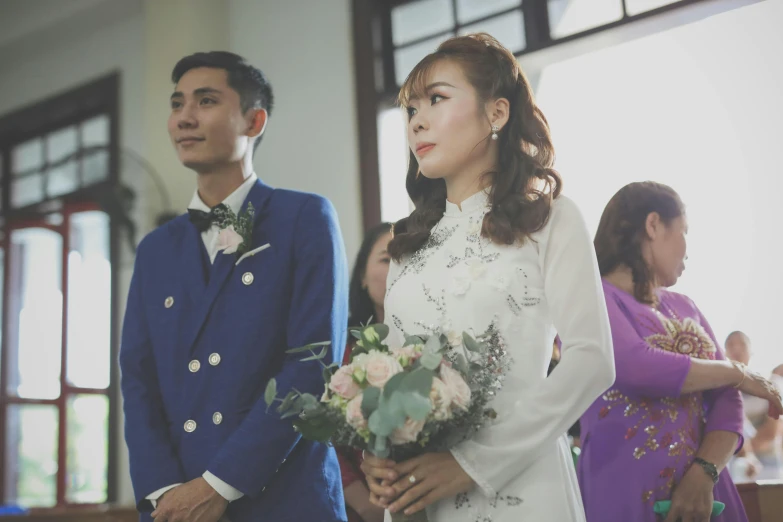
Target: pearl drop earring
pixel 495 130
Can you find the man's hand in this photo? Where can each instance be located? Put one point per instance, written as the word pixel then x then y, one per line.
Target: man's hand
pixel 194 501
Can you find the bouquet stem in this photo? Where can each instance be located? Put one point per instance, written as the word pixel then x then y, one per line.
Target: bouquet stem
pixel 419 516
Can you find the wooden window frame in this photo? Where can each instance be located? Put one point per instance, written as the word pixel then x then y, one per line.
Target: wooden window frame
pixel 99 97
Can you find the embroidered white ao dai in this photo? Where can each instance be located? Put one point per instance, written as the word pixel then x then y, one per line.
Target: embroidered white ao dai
pixel 463 282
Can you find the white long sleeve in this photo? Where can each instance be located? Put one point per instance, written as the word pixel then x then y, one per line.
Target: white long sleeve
pixel 573 291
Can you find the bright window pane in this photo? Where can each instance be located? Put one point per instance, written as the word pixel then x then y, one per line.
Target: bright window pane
pixel 95 167
pixel 420 19
pixel 27 190
pixel 635 7
pixel 62 179
pixel 61 144
pixel 393 163
pixel 31 456
pixel 567 17
pixel 37 315
pixel 508 29
pixel 27 156
pixel 469 10
pixel 88 451
pixel 89 301
pixel 405 59
pixel 95 131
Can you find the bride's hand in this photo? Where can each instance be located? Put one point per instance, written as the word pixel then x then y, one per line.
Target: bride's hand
pixel 758 386
pixel 379 473
pixel 427 479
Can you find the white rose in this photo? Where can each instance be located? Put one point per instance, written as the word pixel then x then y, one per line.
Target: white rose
pixel 380 367
pixel 409 432
pixel 342 383
pixel 229 240
pixel 353 413
pixel 457 387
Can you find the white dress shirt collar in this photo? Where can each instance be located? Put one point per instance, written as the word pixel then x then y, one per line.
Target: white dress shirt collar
pixel 234 200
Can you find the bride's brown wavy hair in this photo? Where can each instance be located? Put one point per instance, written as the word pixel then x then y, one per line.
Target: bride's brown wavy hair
pixel 524 184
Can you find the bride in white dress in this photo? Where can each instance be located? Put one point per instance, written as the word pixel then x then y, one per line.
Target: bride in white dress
pixel 493 246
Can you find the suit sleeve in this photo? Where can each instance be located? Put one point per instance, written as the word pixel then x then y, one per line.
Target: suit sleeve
pixel 153 462
pixel 249 459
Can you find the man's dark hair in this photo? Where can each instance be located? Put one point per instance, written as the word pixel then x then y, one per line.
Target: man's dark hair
pixel 249 82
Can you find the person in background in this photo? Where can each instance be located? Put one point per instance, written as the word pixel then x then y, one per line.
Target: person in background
pixel 673 419
pixel 366 293
pixel 745 465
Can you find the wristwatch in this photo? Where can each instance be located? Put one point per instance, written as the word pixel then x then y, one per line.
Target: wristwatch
pixel 709 468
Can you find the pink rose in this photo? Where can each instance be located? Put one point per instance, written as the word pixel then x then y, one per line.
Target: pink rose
pixel 441 399
pixel 229 240
pixel 380 368
pixel 456 386
pixel 353 413
pixel 409 432
pixel 342 383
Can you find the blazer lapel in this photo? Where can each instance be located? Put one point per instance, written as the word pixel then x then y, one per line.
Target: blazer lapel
pixel 192 262
pixel 222 268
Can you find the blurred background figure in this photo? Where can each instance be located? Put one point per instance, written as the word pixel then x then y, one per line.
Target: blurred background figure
pixel 761 456
pixel 366 296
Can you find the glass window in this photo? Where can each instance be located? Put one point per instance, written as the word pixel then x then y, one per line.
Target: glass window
pixel 89 300
pixel 88 450
pixel 469 10
pixel 405 59
pixel 509 29
pixel 36 254
pixel 421 19
pixel 567 17
pixel 27 156
pixel 634 7
pixel 31 456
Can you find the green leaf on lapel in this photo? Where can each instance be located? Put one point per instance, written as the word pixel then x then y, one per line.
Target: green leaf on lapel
pixel 308 347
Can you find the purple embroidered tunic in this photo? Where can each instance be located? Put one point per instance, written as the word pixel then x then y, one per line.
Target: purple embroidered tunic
pixel 642 434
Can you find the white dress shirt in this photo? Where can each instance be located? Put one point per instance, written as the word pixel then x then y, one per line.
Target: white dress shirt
pixel 210 237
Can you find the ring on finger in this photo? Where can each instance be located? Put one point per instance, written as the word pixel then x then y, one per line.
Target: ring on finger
pixel 412 479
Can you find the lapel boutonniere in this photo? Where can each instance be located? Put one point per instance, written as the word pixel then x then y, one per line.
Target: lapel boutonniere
pixel 236 230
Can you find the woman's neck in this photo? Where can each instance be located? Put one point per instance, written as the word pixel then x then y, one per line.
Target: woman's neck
pixel 461 188
pixel 622 278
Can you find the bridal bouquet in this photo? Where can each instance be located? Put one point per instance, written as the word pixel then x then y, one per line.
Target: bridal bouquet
pixel 426 396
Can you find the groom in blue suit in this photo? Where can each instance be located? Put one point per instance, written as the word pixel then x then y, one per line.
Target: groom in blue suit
pixel 218 295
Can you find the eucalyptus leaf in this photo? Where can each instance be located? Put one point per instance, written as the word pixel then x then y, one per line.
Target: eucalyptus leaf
pixel 318 356
pixel 418 381
pixel 271 392
pixel 411 340
pixel 417 407
pixel 461 363
pixel 327 375
pixel 378 425
pixel 393 384
pixel 288 401
pixel 471 344
pixel 433 345
pixel 308 348
pixel 370 399
pixel 309 402
pixel 430 360
pixel 382 330
pixel 356 333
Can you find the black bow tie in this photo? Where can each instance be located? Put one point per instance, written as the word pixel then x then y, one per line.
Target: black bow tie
pixel 203 220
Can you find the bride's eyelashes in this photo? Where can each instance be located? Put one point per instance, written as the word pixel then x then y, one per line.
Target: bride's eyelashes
pixel 435 98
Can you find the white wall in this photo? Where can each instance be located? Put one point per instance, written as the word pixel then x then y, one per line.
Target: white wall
pixel 305 49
